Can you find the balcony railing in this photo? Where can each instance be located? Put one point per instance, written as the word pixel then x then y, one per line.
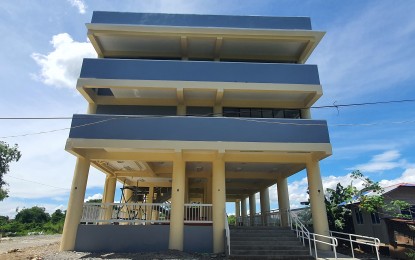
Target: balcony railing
pixel 198 213
pixel 270 218
pixel 210 129
pixel 197 71
pixel 142 213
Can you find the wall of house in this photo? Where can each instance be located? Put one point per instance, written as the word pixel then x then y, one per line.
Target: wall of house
pixel 368 228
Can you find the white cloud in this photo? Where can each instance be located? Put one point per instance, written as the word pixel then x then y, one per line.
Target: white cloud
pixel 408 176
pixel 60 68
pixel 96 196
pixel 79 4
pixel 382 162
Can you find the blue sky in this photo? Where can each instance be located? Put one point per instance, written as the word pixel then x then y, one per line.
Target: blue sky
pixel 366 55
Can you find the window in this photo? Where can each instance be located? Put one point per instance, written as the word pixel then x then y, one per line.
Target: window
pixel 292 113
pixel 375 217
pixel 359 216
pixel 261 112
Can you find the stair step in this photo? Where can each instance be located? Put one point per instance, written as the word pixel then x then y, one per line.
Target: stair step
pixel 259 238
pixel 293 257
pixel 259 234
pixel 266 243
pixel 267 247
pixel 269 252
pixel 248 242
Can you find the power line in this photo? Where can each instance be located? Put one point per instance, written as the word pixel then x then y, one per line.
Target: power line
pixel 206 115
pixel 59 188
pixel 314 107
pixel 365 103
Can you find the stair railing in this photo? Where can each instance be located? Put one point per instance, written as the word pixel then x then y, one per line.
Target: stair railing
pixel 358 239
pixel 227 235
pixel 303 233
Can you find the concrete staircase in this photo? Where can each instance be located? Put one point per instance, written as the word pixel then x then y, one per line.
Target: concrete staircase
pixel 266 243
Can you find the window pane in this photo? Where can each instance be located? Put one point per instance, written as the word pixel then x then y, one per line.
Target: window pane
pixel 256 112
pixel 267 113
pixel 245 112
pixel 231 111
pixel 292 113
pixel 278 113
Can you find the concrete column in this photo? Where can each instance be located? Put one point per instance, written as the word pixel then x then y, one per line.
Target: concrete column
pixel 92 108
pixel 109 194
pixel 217 110
pixel 283 200
pixel 265 208
pixel 181 110
pixel 244 213
pixel 306 113
pixel 209 190
pixel 149 209
pixel 75 204
pixel 219 204
pixel 177 204
pixel 126 210
pixel 318 207
pixel 252 208
pixel 186 194
pixel 237 208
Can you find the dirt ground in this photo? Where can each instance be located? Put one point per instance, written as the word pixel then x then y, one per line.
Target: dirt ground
pixel 45 247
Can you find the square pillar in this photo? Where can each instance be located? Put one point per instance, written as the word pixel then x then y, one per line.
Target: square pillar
pixel 318 207
pixel 283 201
pixel 218 205
pixel 75 204
pixel 177 204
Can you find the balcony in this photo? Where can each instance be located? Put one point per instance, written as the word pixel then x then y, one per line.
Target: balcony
pixel 163 82
pixel 200 71
pixel 199 129
pixel 203 37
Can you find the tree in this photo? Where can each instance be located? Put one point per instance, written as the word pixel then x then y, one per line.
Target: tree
pixel 337 214
pixel 33 215
pixel 57 216
pixel 7 155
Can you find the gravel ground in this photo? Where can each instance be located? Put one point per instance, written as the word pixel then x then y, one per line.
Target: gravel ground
pixel 47 247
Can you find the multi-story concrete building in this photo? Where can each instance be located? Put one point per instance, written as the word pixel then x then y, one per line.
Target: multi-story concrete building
pixel 189 112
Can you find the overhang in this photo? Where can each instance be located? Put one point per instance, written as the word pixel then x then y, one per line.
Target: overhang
pixel 203 37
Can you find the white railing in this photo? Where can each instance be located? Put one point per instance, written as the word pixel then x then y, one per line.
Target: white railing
pixel 269 218
pixel 371 241
pixel 198 213
pixel 139 213
pixel 227 235
pixel 303 234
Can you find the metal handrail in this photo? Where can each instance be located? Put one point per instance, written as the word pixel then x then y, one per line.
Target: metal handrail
pixel 303 233
pixel 371 241
pixel 227 234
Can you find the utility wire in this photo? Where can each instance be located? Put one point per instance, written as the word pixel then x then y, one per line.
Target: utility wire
pixel 207 115
pixel 59 188
pixel 365 103
pixel 316 107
